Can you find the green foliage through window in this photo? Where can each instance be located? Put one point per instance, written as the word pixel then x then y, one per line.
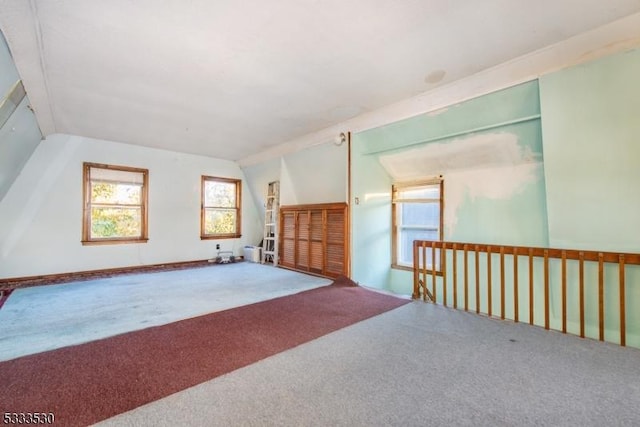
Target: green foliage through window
pixel 115 210
pixel 219 221
pixel 221 207
pixel 115 205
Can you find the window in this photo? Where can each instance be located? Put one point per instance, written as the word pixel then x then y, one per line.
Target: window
pixel 115 204
pixel 220 213
pixel 416 215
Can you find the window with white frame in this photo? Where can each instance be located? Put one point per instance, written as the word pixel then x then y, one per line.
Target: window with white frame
pixel 115 204
pixel 417 215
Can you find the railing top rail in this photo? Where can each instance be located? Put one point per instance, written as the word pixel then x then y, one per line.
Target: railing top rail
pixel 571 254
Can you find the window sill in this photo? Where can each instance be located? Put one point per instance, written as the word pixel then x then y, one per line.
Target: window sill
pixel 220 236
pixel 112 241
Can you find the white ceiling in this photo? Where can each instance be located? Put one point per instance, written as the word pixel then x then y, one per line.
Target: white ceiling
pixel 230 79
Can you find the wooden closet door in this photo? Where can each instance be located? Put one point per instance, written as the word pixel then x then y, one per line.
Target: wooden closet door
pixel 288 239
pixel 335 243
pixel 314 238
pixel 302 242
pixel 316 242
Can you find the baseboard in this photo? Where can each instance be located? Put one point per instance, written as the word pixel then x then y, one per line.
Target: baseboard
pixel 52 279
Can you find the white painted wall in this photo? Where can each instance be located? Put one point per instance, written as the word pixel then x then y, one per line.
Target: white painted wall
pixel 41 215
pixel 287 188
pixel 8 72
pixel 20 135
pixel 258 178
pixel 315 175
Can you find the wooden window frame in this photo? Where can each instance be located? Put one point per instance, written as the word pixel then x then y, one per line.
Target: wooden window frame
pixel 394 225
pixel 238 208
pixel 87 205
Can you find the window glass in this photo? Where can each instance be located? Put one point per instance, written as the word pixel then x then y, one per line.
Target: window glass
pixel 417 216
pixel 427 192
pixel 421 214
pixel 219 221
pixel 220 216
pixel 220 194
pixel 115 204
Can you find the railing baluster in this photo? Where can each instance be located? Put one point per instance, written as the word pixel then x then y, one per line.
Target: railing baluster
pixel 546 289
pixel 443 263
pixel 489 302
pixel 536 256
pixel 515 286
pixel 455 276
pixel 502 282
pixel 581 285
pixel 531 286
pixel 433 273
pixel 623 326
pixel 601 296
pixel 416 271
pixel 564 291
pixel 424 271
pixel 466 278
pixel 477 279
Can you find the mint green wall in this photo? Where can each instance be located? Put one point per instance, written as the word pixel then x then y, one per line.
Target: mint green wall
pixel 505 219
pixel 370 217
pixel 484 202
pixel 585 197
pixel 500 107
pixel 591 134
pixel 515 216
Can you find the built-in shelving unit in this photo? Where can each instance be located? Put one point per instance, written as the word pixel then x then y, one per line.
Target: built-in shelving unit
pixel 270 238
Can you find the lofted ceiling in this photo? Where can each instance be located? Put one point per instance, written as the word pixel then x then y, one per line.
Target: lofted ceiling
pixel 230 79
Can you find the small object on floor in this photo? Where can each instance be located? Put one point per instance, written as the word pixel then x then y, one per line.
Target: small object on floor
pixel 225 257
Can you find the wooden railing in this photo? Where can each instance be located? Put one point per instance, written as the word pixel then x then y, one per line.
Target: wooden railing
pixel 573 291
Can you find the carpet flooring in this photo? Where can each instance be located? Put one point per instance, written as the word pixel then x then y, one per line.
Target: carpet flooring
pixel 414 366
pixel 87 383
pixel 4 296
pixel 43 318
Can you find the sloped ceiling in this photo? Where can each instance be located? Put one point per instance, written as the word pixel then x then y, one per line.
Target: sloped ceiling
pixel 229 79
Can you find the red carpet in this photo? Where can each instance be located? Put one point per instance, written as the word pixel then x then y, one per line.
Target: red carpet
pixel 4 296
pixel 91 382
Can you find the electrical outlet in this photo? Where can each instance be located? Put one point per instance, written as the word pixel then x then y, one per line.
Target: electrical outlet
pixel 217 245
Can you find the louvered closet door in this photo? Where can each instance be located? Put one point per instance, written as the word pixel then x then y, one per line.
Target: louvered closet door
pixel 302 243
pixel 313 238
pixel 288 239
pixel 335 243
pixel 316 242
